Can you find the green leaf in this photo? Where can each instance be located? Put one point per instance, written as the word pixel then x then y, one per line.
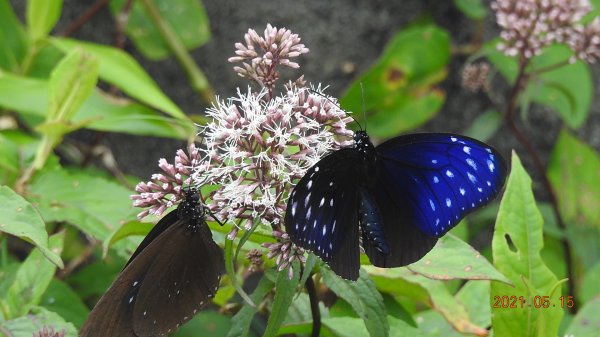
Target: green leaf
pixel 61 299
pixel 39 318
pixel 285 289
pixel 241 321
pixel 128 229
pixel 452 258
pixel 93 280
pixel 516 246
pixel 566 90
pixel 485 125
pixel 573 170
pixel 311 262
pixel 21 219
pixel 399 91
pixel 589 285
pixel 14 40
pixel 32 279
pixel 187 18
pixel 401 281
pixel 364 298
pixel 205 323
pixel 352 327
pixel 470 296
pixel 71 82
pixel 122 70
pixel 103 112
pixel 42 15
pixel 94 205
pixel 473 9
pixel 587 321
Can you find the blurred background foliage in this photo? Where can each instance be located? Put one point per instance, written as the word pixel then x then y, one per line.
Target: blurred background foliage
pixel 67 225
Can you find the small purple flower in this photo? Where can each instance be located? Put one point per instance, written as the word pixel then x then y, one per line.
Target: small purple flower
pixel 260 56
pixel 285 252
pixel 166 189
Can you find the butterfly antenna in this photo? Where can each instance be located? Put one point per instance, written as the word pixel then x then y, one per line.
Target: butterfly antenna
pixel 334 103
pixel 364 109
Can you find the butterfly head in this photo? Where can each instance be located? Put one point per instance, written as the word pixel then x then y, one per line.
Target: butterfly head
pixel 190 206
pixel 362 142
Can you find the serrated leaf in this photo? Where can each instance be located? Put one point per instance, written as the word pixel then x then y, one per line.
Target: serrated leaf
pixel 21 219
pixel 285 289
pixel 241 321
pixel 61 299
pixel 42 15
pixel 516 246
pixel 187 18
pixel 399 92
pixel 39 318
pixel 364 298
pixel 452 258
pixel 473 9
pixel 587 321
pixel 566 90
pixel 122 70
pixel 94 205
pixel 401 281
pixel 14 40
pixel 103 112
pixel 32 279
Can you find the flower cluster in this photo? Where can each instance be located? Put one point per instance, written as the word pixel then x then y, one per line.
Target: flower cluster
pixel 166 189
pixel 260 56
pixel 285 252
pixel 530 25
pixel 49 332
pixel 256 147
pixel 475 76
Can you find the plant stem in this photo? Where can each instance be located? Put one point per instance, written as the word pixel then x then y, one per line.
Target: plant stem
pixel 85 17
pixel 314 307
pixel 195 75
pixel 520 81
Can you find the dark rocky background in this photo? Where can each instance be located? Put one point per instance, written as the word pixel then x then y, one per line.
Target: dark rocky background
pixel 340 35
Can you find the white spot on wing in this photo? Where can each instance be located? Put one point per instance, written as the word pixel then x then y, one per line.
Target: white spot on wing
pixel 472 178
pixel 322 202
pixel 453 139
pixel 436 179
pixel 491 165
pixel 308 213
pixel 306 199
pixel 309 185
pixel 471 163
pixel 316 169
pixel 449 173
pixel 462 191
pixel 294 208
pixel 448 202
pixel 467 149
pixel 432 204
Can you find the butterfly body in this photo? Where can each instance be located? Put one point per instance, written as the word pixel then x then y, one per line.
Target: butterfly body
pixel 398 197
pixel 173 273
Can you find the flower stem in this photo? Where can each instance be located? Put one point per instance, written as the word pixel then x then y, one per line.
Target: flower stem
pixel 520 82
pixel 314 307
pixel 195 75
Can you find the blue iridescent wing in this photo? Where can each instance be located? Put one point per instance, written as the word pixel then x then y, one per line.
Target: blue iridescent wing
pixel 322 214
pixel 426 184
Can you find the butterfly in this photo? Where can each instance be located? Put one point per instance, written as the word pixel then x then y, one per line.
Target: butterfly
pixel 173 273
pixel 396 199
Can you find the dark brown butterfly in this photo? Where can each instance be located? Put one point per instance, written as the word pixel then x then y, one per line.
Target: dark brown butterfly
pixel 172 274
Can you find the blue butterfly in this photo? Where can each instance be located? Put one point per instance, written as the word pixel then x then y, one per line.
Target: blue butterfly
pixel 396 199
